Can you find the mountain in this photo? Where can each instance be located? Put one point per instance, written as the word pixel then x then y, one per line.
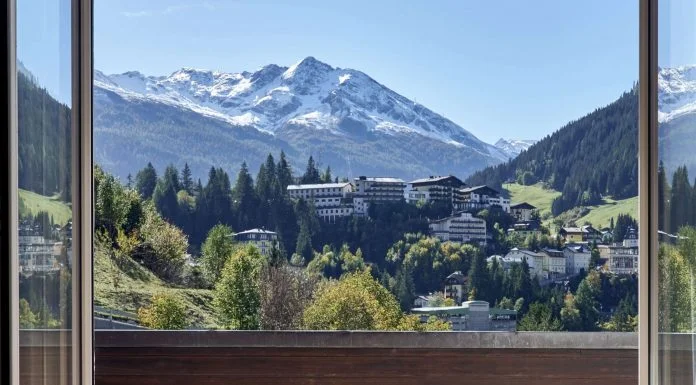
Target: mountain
pixel 513 147
pixel 587 159
pixel 677 117
pixel 342 117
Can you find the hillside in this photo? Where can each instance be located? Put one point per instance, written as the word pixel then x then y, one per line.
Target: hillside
pixel 130 286
pixel 588 159
pixel 33 203
pixel 535 195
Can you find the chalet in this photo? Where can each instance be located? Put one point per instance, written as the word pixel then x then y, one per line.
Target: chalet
pixel 580 234
pixel 455 286
pixel 525 229
pixel 523 212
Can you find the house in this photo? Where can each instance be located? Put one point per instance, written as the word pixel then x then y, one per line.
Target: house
pixel 534 260
pixel 577 256
pixel 437 189
pixel 455 286
pixel 462 227
pixel 481 197
pixel 422 300
pixel 585 233
pixel 525 229
pixel 553 263
pixel 331 200
pixel 371 190
pixel 523 212
pixel 472 316
pixel 263 239
pixel 624 257
pixel 37 254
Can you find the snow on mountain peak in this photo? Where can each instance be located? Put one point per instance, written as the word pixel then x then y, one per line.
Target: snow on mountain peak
pixel 513 147
pixel 310 93
pixel 677 92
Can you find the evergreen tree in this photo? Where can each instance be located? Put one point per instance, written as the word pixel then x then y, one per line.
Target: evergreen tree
pixel 479 280
pixel 311 174
pixel 284 173
pixel 245 199
pixel 680 202
pixel 326 177
pixel 186 180
pixel 165 197
pixel 146 180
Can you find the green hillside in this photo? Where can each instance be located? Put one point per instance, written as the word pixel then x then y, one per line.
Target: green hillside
pixel 128 286
pixel 32 203
pixel 599 215
pixel 535 195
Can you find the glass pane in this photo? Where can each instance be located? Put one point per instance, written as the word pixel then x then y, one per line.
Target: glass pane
pixel 45 209
pixel 677 191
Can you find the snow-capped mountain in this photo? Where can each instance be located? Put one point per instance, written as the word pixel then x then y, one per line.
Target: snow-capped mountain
pixel 677 116
pixel 358 124
pixel 513 147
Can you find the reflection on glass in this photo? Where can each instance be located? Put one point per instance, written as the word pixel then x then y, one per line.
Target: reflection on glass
pixel 677 191
pixel 45 209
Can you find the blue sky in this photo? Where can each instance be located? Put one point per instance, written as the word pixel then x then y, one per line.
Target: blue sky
pixel 505 68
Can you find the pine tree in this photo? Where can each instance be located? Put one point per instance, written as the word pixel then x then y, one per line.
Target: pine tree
pixel 311 174
pixel 479 280
pixel 145 181
pixel 186 180
pixel 326 177
pixel 284 173
pixel 164 196
pixel 245 199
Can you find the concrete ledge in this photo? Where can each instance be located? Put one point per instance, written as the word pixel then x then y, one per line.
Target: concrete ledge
pixel 361 339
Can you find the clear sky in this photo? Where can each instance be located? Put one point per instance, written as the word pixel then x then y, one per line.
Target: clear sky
pixel 499 68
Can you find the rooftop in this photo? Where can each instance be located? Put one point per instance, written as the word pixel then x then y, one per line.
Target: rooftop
pixel 256 231
pixel 381 179
pixel 317 185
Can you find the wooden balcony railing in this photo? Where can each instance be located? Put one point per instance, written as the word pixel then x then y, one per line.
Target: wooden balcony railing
pixel 230 357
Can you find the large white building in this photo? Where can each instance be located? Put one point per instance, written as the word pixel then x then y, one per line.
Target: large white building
pixel 481 197
pixel 623 257
pixel 439 189
pixel 577 257
pixel 331 200
pixel 534 260
pixel 553 264
pixel 263 239
pixel 37 254
pixel 369 190
pixel 463 227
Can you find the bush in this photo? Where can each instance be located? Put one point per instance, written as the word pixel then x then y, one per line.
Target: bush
pixel 164 246
pixel 237 298
pixel 164 312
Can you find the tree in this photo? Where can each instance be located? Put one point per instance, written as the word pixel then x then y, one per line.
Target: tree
pixel 27 318
pixel 245 199
pixel 539 318
pixel 586 301
pixel 164 245
pixel 236 297
pixel 284 294
pixel 146 180
pixel 217 249
pixel 111 205
pixel 186 179
pixel 326 176
pixel 165 194
pixel 479 280
pixel 311 174
pixel 284 172
pixel 433 324
pixel 355 302
pixel 570 315
pixel 165 311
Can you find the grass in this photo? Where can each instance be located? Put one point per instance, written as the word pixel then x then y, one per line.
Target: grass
pixel 599 215
pixel 32 203
pixel 535 195
pixel 127 286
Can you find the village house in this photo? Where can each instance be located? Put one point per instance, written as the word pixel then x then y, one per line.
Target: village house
pixel 525 229
pixel 264 240
pixel 585 233
pixel 462 227
pixel 534 260
pixel 553 263
pixel 331 200
pixel 455 287
pixel 523 212
pixel 369 190
pixel 577 257
pixel 623 257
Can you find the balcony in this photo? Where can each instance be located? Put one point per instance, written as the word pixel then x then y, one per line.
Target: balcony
pixel 226 357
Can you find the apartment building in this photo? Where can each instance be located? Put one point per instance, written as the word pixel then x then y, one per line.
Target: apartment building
pixel 523 212
pixel 534 260
pixel 623 257
pixel 331 200
pixel 374 190
pixel 553 263
pixel 472 316
pixel 37 254
pixel 481 197
pixel 263 239
pixel 462 227
pixel 443 189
